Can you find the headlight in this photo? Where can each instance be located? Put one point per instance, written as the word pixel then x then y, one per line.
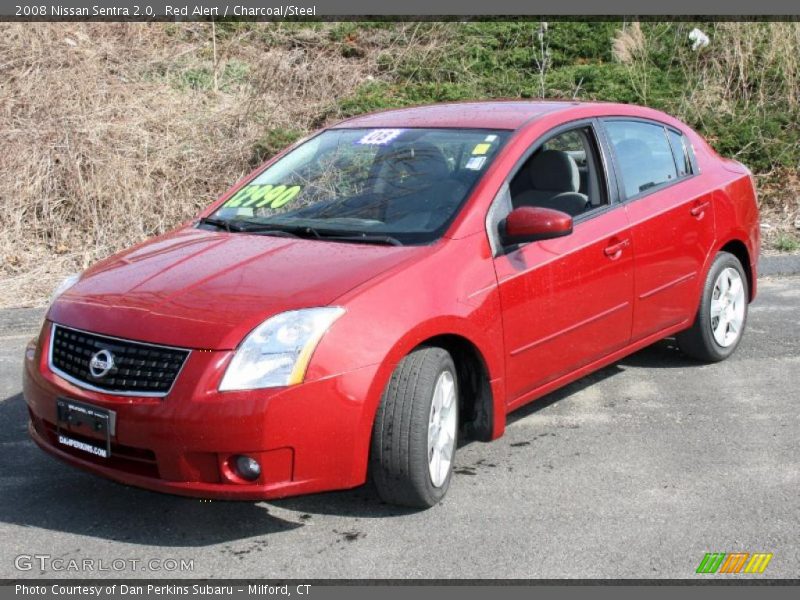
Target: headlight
pixel 64 286
pixel 277 352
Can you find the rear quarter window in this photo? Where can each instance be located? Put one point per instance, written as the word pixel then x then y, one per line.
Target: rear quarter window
pixel 681 151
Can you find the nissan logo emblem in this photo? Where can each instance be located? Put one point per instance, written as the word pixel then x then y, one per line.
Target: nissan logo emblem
pixel 101 363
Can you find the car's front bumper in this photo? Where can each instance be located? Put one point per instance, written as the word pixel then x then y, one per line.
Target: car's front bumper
pixel 308 438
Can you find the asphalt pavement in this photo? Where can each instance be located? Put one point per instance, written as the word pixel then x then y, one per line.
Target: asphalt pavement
pixel 635 471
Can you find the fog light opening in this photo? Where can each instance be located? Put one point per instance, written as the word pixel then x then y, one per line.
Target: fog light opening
pixel 246 467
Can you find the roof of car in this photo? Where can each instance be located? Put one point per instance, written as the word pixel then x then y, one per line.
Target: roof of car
pixel 493 114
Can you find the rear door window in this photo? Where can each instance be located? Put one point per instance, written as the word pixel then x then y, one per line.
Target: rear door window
pixel 644 155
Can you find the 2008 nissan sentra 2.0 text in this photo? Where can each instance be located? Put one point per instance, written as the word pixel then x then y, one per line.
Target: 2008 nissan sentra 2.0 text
pixel 387 286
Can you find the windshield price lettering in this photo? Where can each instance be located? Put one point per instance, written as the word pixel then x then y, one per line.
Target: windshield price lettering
pixel 259 196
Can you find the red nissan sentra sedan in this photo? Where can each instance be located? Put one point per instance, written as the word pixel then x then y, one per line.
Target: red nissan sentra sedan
pixel 387 285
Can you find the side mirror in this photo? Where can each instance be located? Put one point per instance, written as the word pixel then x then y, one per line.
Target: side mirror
pixel 529 224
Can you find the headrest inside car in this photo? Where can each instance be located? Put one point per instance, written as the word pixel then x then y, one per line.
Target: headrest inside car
pixel 554 170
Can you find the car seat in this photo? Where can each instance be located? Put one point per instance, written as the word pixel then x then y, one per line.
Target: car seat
pixel 553 182
pixel 417 186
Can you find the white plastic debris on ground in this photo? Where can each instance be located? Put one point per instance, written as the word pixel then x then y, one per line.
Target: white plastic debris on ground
pixel 698 39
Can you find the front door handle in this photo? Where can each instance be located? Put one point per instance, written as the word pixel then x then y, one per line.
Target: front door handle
pixel 699 209
pixel 614 249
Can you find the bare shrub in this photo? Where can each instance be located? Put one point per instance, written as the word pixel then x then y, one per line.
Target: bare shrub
pixel 115 132
pixel 630 47
pixel 629 43
pixel 757 63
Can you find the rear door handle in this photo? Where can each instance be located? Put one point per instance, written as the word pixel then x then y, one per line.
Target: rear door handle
pixel 615 249
pixel 699 209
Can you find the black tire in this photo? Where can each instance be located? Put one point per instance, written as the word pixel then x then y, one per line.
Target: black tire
pixel 399 453
pixel 698 341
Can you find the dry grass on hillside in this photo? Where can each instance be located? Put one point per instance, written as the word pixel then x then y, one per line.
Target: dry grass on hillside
pixel 111 133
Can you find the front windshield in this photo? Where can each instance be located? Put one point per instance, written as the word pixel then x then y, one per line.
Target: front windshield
pixel 406 185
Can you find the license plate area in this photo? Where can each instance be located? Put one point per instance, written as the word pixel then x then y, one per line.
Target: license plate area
pixel 85 427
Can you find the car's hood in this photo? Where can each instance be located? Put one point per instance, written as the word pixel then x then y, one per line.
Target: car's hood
pixel 201 289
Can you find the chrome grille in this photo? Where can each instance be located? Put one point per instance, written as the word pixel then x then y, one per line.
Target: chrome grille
pixel 139 369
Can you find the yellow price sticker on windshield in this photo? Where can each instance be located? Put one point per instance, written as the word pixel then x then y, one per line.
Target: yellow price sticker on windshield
pixel 481 149
pixel 263 195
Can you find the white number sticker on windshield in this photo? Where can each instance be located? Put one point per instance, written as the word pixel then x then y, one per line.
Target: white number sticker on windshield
pixel 380 137
pixel 475 163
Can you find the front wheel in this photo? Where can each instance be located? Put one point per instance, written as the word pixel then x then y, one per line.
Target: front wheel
pixel 415 430
pixel 722 315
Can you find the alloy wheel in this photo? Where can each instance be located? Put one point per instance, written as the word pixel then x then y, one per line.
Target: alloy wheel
pixel 442 429
pixel 727 307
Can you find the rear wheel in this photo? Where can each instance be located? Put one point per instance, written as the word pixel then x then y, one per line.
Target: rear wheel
pixel 722 315
pixel 415 430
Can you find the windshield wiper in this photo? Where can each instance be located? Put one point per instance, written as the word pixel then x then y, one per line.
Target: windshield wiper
pixel 321 234
pixel 363 238
pixel 240 226
pixel 273 232
pixel 247 226
pixel 221 224
pixel 328 234
pixel 285 230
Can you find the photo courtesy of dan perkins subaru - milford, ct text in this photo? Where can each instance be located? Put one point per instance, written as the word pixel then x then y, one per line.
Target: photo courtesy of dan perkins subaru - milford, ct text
pixel 150 589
